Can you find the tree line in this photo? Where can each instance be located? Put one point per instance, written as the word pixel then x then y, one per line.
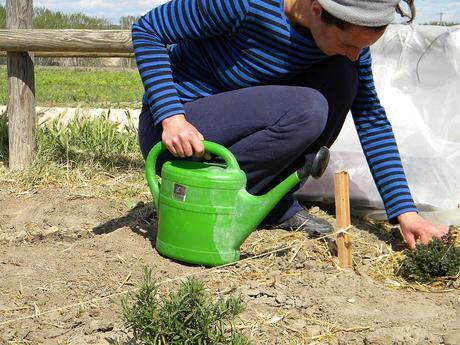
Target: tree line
pixel 44 18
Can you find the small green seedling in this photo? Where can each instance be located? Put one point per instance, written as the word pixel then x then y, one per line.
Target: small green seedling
pixel 439 258
pixel 188 316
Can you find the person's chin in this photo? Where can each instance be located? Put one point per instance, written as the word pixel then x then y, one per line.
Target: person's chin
pixel 329 53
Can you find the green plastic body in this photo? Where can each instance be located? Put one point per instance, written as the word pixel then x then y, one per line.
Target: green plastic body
pixel 204 211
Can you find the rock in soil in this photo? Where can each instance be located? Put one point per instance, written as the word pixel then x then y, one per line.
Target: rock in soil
pixel 99 326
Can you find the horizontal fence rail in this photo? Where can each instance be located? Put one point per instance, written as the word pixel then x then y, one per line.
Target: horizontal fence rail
pixel 75 41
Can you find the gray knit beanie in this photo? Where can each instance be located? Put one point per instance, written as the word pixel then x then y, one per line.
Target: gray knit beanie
pixel 362 12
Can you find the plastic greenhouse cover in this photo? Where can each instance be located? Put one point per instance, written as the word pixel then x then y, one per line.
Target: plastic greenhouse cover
pixel 417 75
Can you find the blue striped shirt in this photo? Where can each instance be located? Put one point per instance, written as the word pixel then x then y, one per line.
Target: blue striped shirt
pixel 222 45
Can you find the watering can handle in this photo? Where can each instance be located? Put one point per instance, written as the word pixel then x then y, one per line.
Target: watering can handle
pixel 151 161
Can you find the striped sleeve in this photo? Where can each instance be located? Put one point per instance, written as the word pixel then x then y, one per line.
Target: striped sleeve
pixel 170 23
pixel 379 144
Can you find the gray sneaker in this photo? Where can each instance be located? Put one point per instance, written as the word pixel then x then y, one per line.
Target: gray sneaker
pixel 304 221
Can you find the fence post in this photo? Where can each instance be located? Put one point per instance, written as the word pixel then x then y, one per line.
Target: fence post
pixel 22 122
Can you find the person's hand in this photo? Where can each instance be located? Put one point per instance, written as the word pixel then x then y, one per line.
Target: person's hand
pixel 181 138
pixel 414 227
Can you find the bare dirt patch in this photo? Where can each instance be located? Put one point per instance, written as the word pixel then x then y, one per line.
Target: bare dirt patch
pixel 64 252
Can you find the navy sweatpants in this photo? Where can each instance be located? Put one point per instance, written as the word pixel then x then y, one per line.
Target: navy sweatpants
pixel 272 129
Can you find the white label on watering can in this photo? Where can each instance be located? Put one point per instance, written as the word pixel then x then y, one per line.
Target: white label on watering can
pixel 179 192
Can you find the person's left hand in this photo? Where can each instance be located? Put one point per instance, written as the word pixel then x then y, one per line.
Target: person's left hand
pixel 414 227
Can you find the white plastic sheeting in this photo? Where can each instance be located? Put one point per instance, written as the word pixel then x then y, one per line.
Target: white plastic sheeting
pixel 417 74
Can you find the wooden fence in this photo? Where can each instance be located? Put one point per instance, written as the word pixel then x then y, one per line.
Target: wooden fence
pixel 21 43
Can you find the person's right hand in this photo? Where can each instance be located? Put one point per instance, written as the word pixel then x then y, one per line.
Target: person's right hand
pixel 414 227
pixel 181 138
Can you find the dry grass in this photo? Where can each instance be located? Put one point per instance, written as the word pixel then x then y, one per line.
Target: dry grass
pixel 372 259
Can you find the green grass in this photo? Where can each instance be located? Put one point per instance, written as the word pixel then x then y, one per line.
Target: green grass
pixel 80 150
pixel 72 87
pixel 93 141
pixel 186 317
pixel 85 148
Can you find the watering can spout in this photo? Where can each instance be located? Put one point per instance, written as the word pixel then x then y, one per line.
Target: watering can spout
pixel 253 209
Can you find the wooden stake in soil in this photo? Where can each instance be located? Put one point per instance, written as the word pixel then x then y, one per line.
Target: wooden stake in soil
pixel 342 211
pixel 22 122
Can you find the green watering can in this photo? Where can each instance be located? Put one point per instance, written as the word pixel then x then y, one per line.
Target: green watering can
pixel 204 211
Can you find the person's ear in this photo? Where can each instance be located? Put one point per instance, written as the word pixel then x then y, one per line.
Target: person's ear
pixel 316 8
